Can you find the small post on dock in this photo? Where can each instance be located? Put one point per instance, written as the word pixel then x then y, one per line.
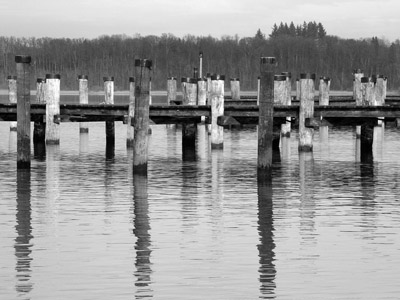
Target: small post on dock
pixel 208 78
pixel 141 119
pixel 200 65
pixel 130 130
pixel 298 89
pixel 12 97
pixel 171 90
pixel 39 127
pixel 367 129
pixel 307 91
pixel 280 98
pixel 217 109
pixel 52 98
pixel 266 117
pixel 109 99
pixel 83 99
pixel 286 128
pixel 258 90
pixel 23 112
pixel 235 88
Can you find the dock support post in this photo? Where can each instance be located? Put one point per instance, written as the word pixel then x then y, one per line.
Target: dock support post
pixel 141 119
pixel 298 89
pixel 266 117
pixel 235 88
pixel 286 128
pixel 217 109
pixel 23 112
pixel 109 99
pixel 189 129
pixel 171 90
pixel 280 98
pixel 83 99
pixel 307 90
pixel 130 130
pixel 52 98
pixel 201 91
pixel 12 97
pixel 358 91
pixel 39 127
pixel 258 89
pixel 324 89
pixel 367 129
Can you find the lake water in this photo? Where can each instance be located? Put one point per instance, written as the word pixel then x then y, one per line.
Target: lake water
pixel 82 226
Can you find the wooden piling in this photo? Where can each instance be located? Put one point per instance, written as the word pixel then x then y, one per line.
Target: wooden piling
pixel 208 78
pixel 357 86
pixel 201 91
pixel 39 127
pixel 380 90
pixel 200 65
pixel 83 99
pixel 307 91
pixel 258 90
pixel 324 89
pixel 286 128
pixel 130 131
pixel 280 98
pixel 141 119
pixel 184 81
pixel 235 88
pixel 217 109
pixel 109 99
pixel 189 129
pixel 266 116
pixel 52 98
pixel 12 96
pixel 298 89
pixel 366 131
pixel 23 112
pixel 171 90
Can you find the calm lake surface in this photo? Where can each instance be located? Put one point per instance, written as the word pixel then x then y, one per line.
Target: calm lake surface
pixel 80 225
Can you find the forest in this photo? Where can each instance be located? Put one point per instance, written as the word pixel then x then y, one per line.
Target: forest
pixel 301 48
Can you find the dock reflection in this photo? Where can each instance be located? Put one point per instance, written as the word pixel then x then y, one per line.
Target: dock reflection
pixel 23 228
pixel 143 239
pixel 266 246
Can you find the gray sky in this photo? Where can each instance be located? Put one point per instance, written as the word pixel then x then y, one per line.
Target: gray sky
pixel 92 18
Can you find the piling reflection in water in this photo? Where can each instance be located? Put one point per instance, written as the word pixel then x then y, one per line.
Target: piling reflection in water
pixel 23 228
pixel 143 240
pixel 266 246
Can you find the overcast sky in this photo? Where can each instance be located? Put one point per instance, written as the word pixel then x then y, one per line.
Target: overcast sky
pixel 92 18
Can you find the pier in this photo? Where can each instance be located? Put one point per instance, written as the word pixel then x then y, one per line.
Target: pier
pixel 203 100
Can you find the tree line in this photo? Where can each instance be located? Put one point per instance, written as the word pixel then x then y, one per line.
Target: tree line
pixel 305 48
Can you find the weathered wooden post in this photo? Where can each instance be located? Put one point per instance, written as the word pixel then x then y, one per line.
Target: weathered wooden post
pixel 109 100
pixel 201 91
pixel 83 99
pixel 189 129
pixel 370 92
pixel 365 131
pixel 286 128
pixel 258 90
pixel 266 117
pixel 298 89
pixel 130 131
pixel 208 78
pixel 141 119
pixel 39 127
pixel 357 90
pixel 280 98
pixel 235 88
pixel 380 90
pixel 23 112
pixel 217 109
pixel 171 90
pixel 12 96
pixel 52 98
pixel 324 89
pixel 307 91
pixel 40 90
pixel 184 81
